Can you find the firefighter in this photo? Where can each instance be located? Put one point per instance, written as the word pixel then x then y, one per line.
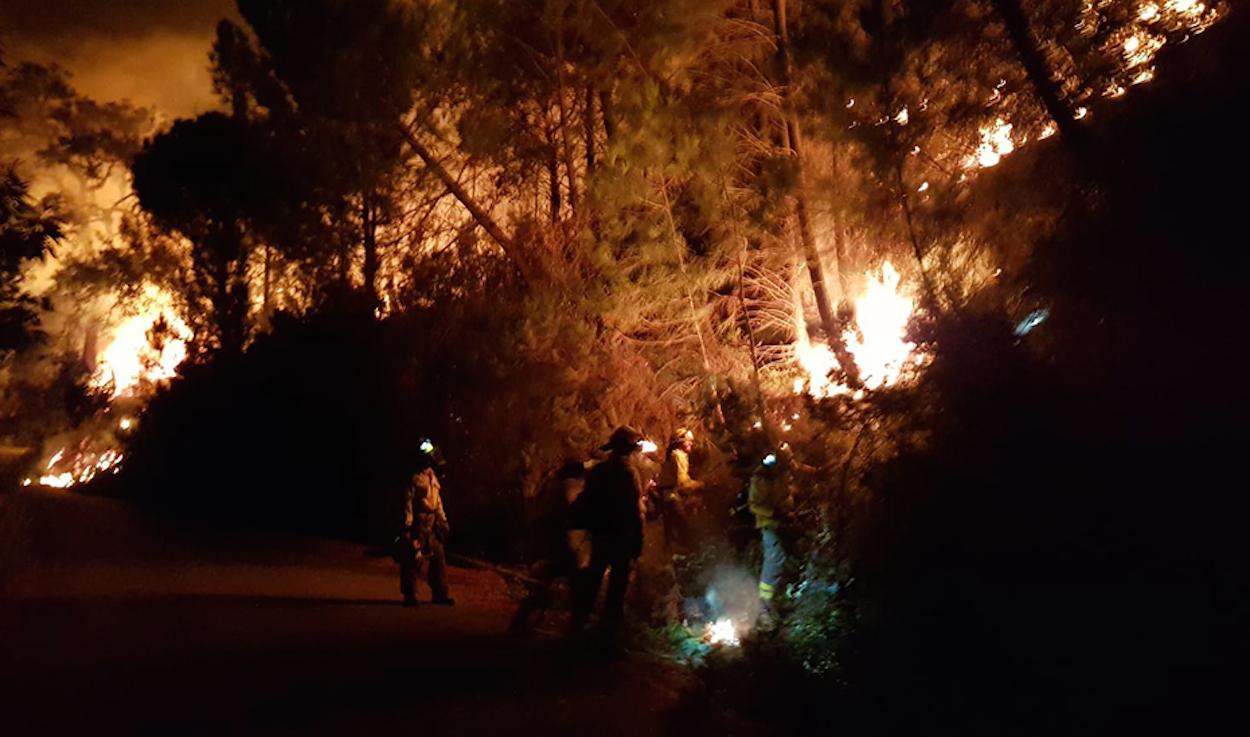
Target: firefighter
pixel 677 491
pixel 425 532
pixel 769 502
pixel 563 554
pixel 610 509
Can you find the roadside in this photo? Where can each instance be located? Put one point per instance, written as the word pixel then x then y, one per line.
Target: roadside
pixel 118 625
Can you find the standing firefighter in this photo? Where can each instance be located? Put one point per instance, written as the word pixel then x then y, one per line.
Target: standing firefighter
pixel 678 492
pixel 425 532
pixel 610 509
pixel 769 501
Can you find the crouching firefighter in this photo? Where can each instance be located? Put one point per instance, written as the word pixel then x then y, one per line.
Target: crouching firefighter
pixel 769 502
pixel 424 533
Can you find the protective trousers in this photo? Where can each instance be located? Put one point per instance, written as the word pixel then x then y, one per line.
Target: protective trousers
pixel 437 577
pixel 588 592
pixel 774 563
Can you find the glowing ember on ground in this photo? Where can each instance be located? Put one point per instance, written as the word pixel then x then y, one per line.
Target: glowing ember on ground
pixel 81 468
pixel 877 342
pixel 721 632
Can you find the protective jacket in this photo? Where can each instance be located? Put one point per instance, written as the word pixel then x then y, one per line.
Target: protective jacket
pixel 610 509
pixel 675 482
pixel 768 499
pixel 423 505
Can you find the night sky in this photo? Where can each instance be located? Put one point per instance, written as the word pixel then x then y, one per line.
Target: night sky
pixel 152 52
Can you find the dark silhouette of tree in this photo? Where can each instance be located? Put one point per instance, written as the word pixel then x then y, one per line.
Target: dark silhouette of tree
pixel 330 83
pixel 205 180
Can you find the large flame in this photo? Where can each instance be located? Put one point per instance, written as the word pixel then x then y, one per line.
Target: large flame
pixel 877 341
pixel 138 356
pixel 132 358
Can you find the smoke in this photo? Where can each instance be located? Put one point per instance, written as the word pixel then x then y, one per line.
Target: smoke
pixel 153 53
pixel 732 593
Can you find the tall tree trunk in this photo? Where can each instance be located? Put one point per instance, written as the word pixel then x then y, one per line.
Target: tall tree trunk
pixel 553 176
pixel 480 216
pixel 265 305
pixel 1038 70
pixel 566 139
pixel 930 294
pixel 588 120
pixel 369 221
pixel 807 241
pixel 609 120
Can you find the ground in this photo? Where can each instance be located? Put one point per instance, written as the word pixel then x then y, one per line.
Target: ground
pixel 116 623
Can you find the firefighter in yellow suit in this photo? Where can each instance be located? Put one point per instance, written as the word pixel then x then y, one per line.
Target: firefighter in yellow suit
pixel 769 501
pixel 425 532
pixel 678 492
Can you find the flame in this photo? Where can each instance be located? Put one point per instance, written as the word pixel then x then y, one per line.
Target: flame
pixel 135 359
pixel 995 144
pixel 877 342
pixel 721 632
pixel 82 468
pixel 131 359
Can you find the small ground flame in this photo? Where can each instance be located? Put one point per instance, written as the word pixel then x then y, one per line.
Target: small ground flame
pixel 721 632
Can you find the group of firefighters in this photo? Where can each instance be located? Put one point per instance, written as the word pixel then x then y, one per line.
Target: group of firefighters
pixel 596 525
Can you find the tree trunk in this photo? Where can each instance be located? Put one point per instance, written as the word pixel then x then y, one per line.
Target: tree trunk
pixel 588 119
pixel 609 120
pixel 553 177
pixel 807 241
pixel 480 216
pixel 1038 70
pixel 566 140
pixel 368 217
pixel 930 294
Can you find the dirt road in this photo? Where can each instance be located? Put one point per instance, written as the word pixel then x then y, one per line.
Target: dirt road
pixel 114 624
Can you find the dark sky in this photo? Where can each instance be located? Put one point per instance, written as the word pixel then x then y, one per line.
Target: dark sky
pixel 152 52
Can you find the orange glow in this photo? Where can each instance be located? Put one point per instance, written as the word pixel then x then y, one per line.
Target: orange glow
pixel 995 144
pixel 80 469
pixel 877 342
pixel 131 360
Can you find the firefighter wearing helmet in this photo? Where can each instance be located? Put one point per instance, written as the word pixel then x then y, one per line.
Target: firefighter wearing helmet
pixel 769 501
pixel 425 531
pixel 611 510
pixel 678 492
